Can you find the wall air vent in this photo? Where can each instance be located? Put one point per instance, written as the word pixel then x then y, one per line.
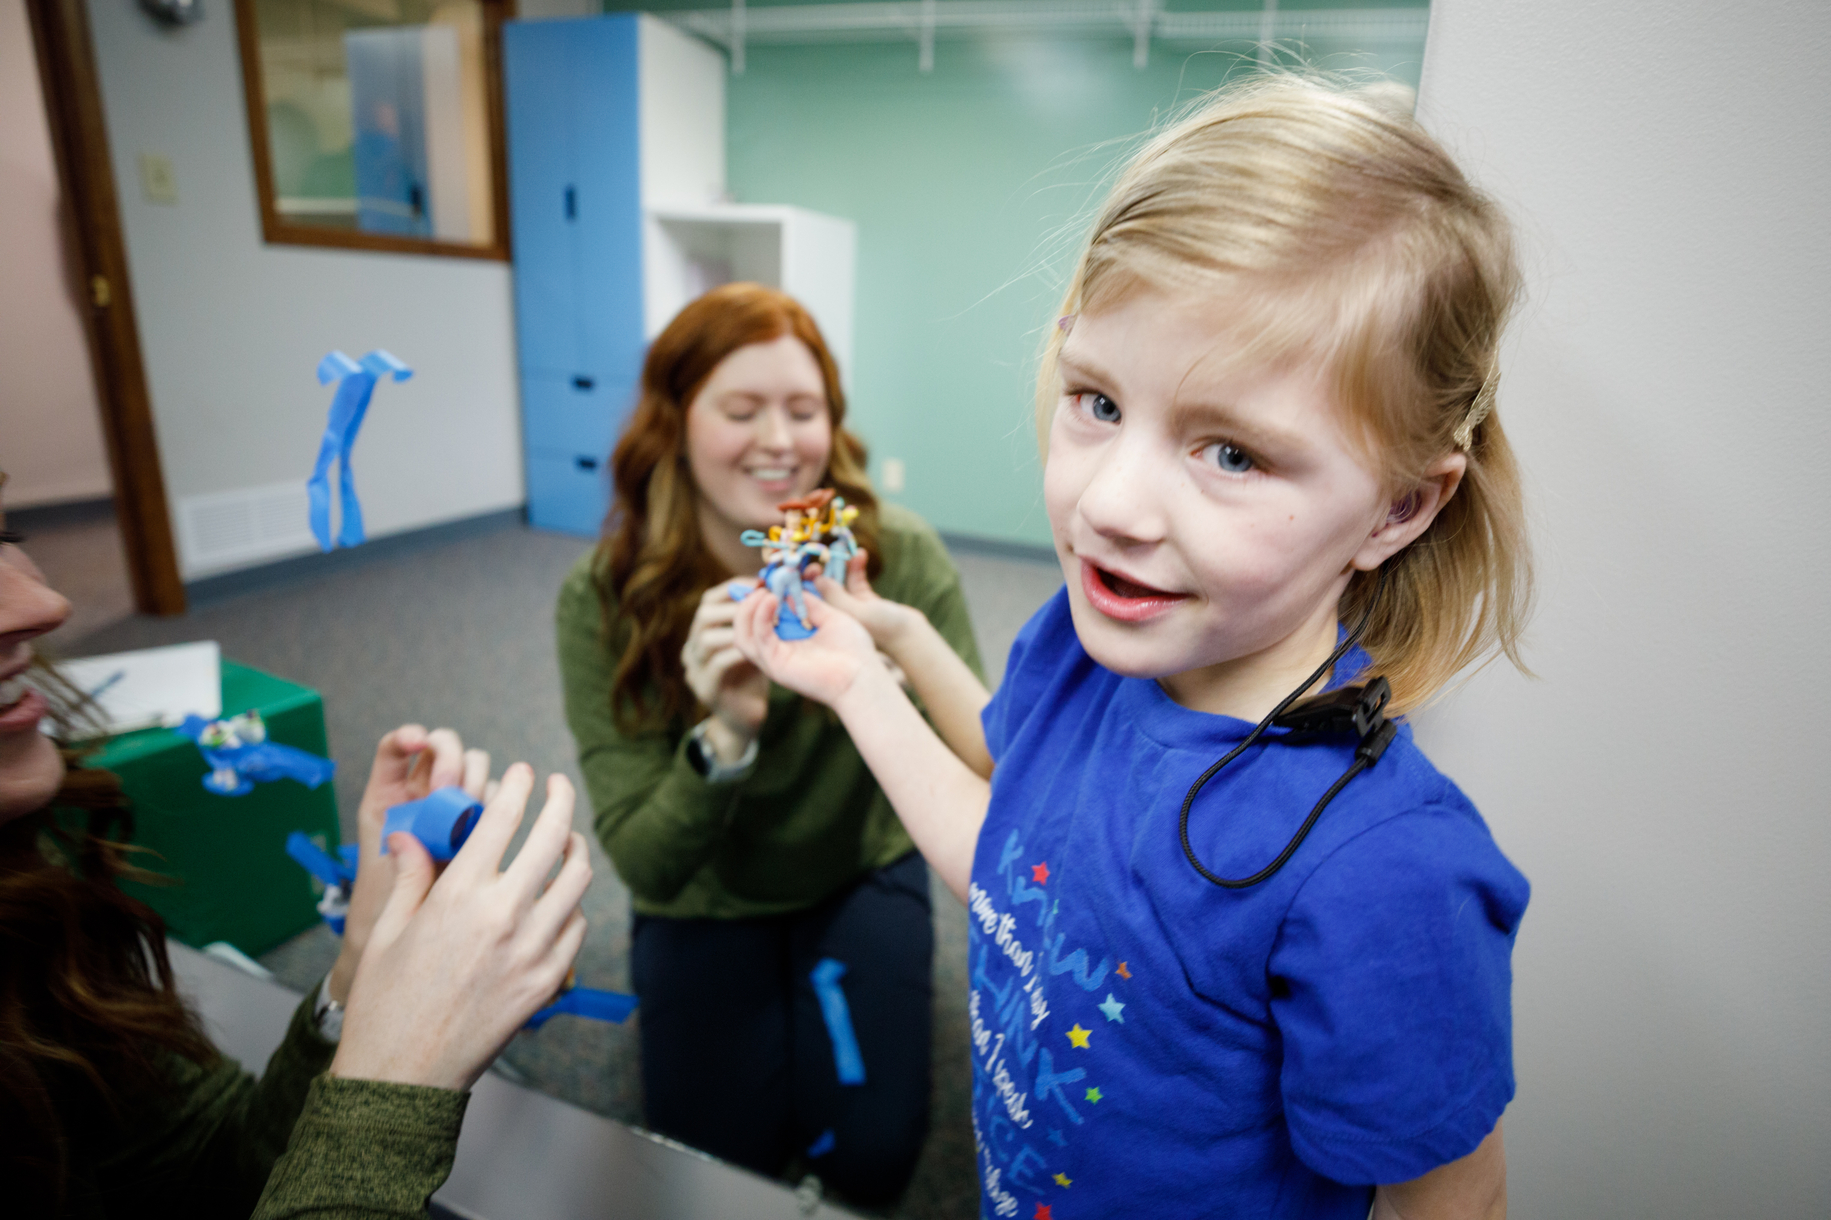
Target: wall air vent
pixel 228 529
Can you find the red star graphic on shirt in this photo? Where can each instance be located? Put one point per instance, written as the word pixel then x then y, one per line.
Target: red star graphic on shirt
pixel 1123 972
pixel 1042 1212
pixel 1040 872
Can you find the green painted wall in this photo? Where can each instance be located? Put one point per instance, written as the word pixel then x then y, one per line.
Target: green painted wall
pixel 970 187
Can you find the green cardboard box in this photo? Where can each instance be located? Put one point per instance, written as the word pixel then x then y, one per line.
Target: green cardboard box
pixel 227 854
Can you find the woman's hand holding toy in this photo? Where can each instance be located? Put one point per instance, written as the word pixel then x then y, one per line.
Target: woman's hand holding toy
pixel 721 678
pixel 455 965
pixel 409 763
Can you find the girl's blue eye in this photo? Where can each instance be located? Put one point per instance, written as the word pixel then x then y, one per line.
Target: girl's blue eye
pixel 1102 408
pixel 1230 458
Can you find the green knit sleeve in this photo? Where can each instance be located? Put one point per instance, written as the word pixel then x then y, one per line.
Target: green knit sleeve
pixel 364 1149
pixel 658 818
pixel 208 1143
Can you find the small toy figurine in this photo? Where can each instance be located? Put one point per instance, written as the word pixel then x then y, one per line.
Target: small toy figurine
pixel 792 548
pixel 240 755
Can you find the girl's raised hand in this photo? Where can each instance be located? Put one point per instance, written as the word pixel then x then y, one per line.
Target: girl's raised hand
pixel 456 965
pixel 823 666
pixel 720 677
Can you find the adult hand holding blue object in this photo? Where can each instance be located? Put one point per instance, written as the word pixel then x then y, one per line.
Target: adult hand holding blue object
pixel 459 961
pixel 410 763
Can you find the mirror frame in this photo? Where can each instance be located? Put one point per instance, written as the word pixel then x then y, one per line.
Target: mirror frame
pixel 277 230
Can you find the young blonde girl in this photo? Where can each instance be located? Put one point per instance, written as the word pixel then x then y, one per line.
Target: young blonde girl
pixel 1279 988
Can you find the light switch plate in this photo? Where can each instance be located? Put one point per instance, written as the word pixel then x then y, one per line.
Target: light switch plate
pixel 157 182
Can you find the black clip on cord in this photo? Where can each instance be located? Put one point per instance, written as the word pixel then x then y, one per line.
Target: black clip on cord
pixel 1356 709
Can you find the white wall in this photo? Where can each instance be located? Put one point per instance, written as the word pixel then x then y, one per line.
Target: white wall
pixel 50 426
pixel 680 139
pixel 1663 784
pixel 232 329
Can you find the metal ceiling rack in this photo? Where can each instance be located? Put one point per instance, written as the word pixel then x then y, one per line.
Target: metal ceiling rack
pixel 921 21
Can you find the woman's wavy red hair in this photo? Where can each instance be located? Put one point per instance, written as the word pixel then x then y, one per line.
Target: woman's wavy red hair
pixel 653 564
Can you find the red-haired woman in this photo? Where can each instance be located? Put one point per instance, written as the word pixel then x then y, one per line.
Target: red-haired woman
pixel 753 839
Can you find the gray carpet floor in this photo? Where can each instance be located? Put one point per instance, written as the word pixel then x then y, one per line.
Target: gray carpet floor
pixel 460 633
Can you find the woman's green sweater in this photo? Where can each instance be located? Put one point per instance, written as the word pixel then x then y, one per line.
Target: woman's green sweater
pixel 804 821
pixel 215 1140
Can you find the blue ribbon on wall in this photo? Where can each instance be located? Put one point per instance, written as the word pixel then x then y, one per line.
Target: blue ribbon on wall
pixel 846 1059
pixel 355 384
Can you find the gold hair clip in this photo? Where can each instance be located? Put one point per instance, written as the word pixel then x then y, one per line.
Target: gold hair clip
pixel 1480 409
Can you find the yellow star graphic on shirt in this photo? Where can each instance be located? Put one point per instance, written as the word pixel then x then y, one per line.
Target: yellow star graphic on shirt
pixel 1062 1179
pixel 1093 1094
pixel 1078 1036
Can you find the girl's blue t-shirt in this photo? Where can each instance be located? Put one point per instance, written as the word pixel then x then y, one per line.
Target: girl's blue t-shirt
pixel 1147 1043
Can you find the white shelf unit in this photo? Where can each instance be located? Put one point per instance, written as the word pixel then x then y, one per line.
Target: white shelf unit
pixel 809 255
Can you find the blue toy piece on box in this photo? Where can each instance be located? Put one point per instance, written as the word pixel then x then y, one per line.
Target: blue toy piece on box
pixel 790 551
pixel 240 756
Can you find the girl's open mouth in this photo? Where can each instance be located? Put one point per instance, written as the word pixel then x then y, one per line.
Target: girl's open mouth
pixel 1124 599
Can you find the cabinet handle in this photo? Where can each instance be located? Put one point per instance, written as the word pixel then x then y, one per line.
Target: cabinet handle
pixel 582 383
pixel 572 203
pixel 586 463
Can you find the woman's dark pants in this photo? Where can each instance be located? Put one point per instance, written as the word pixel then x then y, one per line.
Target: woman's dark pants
pixel 736 1058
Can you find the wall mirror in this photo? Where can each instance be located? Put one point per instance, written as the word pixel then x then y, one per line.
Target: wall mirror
pixel 377 124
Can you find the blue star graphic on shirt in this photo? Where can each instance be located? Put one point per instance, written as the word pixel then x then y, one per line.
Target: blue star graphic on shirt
pixel 1055 1137
pixel 1112 1008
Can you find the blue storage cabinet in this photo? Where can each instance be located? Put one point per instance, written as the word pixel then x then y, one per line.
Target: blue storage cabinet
pixel 570 90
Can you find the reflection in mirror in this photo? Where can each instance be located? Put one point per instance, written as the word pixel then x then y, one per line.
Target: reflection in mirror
pixel 378 120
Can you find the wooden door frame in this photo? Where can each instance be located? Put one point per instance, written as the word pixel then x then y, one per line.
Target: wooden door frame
pixel 79 140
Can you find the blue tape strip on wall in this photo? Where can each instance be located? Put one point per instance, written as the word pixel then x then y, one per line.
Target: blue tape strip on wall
pixel 846 1059
pixel 355 384
pixel 441 821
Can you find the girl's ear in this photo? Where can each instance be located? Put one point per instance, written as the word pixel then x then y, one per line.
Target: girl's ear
pixel 1410 515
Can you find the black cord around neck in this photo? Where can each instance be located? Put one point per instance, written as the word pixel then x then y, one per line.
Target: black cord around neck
pixel 1375 737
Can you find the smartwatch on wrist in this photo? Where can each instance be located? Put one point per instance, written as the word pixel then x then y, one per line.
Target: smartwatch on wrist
pixel 327 1014
pixel 704 761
